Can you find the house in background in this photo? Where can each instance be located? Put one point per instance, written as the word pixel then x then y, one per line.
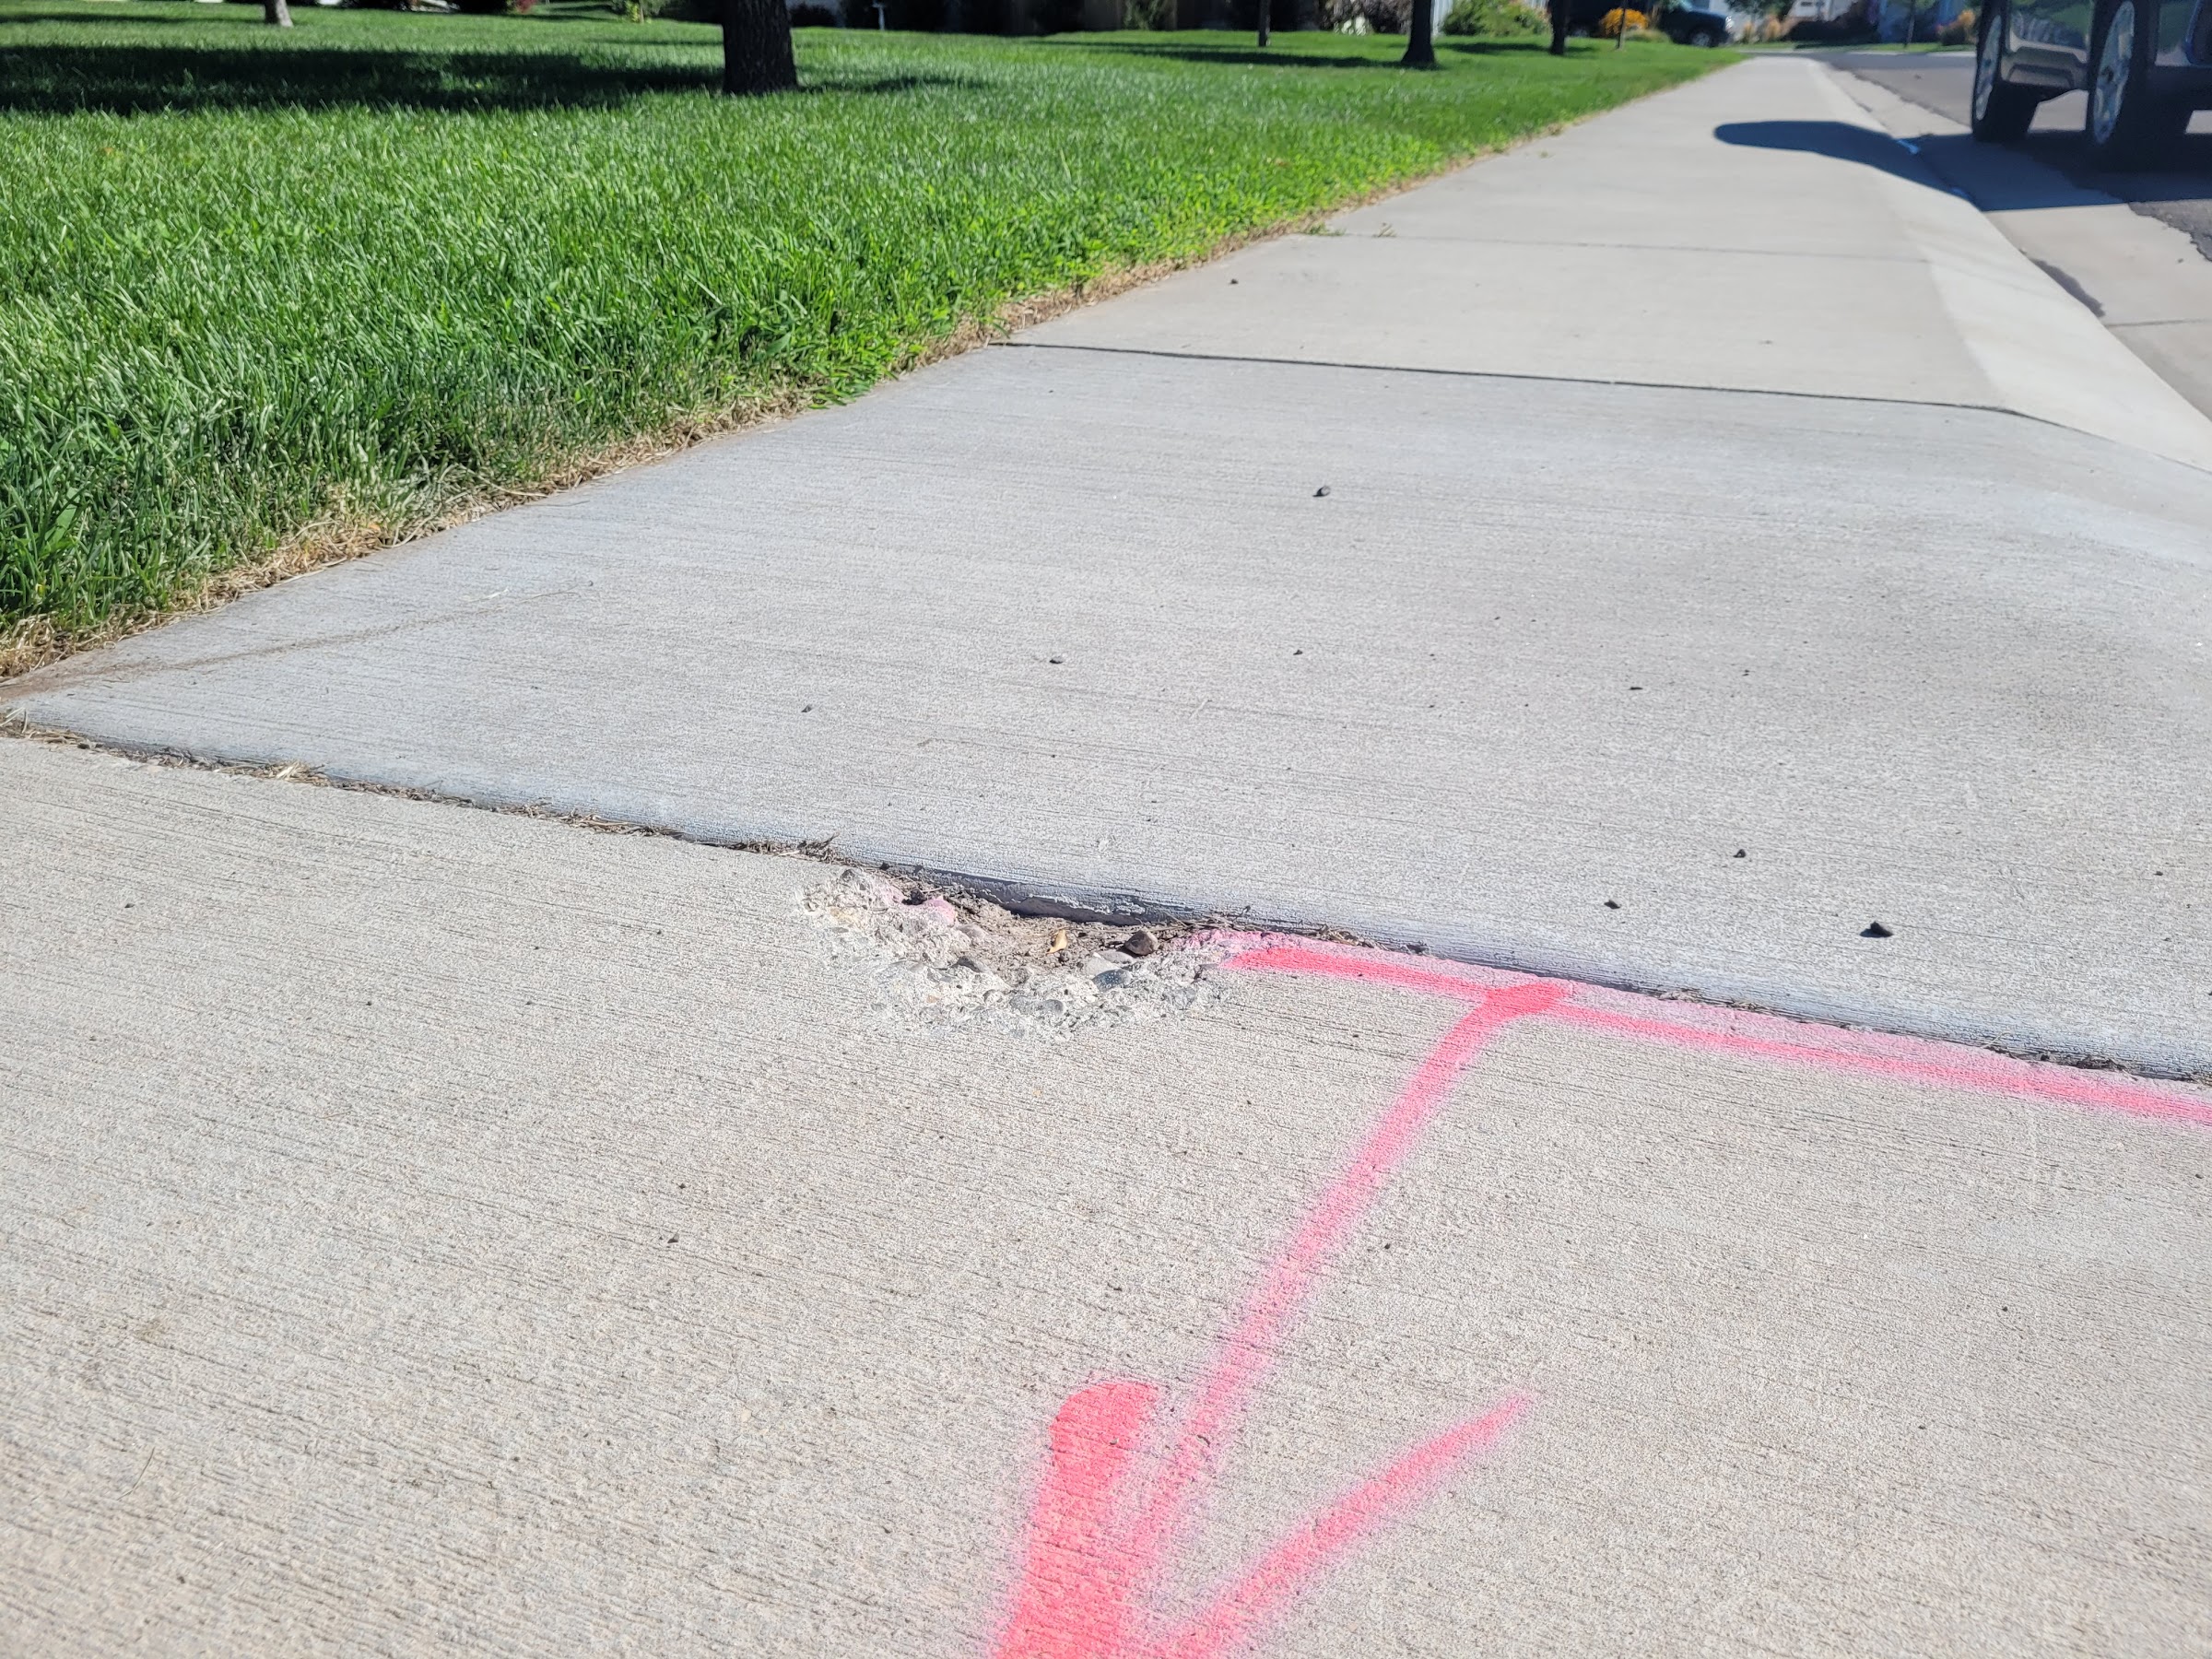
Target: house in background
pixel 1892 20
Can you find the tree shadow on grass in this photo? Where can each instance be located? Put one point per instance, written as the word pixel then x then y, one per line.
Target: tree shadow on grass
pixel 1193 53
pixel 129 80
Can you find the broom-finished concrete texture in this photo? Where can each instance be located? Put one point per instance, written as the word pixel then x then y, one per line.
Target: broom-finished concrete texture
pixel 1542 648
pixel 432 1232
pixel 1521 686
pixel 1757 230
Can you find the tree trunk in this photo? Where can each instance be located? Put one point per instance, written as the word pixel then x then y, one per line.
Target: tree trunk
pixel 756 47
pixel 1559 27
pixel 276 14
pixel 1266 6
pixel 1421 36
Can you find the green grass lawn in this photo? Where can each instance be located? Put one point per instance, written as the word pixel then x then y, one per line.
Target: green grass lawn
pixel 256 288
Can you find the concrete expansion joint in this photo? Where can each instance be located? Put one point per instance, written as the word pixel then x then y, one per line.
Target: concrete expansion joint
pixel 1500 374
pixel 950 948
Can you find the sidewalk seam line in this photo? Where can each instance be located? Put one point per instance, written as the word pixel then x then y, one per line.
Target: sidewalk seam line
pixel 1567 380
pixel 1013 891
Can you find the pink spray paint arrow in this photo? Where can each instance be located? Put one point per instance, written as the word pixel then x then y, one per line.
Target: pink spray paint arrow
pixel 1100 1540
pixel 1101 1537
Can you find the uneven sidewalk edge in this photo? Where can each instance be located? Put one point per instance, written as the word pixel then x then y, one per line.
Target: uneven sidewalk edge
pixel 1087 909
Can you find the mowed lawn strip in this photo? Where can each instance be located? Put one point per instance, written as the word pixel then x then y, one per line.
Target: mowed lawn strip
pixel 261 289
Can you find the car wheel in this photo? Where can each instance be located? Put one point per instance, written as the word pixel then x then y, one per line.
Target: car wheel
pixel 2127 126
pixel 1707 37
pixel 2002 111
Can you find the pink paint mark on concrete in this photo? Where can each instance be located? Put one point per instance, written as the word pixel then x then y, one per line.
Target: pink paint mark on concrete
pixel 1075 1583
pixel 1271 953
pixel 1239 1613
pixel 1102 1538
pixel 1251 1344
pixel 1907 1060
pixel 1723 1030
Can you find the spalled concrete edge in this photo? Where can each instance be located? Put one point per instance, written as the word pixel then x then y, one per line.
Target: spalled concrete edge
pixel 1030 893
pixel 2043 351
pixel 1385 931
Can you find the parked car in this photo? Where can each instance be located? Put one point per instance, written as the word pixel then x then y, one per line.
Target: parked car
pixel 1695 24
pixel 2146 64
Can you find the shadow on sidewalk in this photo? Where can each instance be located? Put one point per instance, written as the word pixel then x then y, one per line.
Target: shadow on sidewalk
pixel 1925 164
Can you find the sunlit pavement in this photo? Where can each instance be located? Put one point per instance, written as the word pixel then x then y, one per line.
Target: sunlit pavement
pixel 442 1229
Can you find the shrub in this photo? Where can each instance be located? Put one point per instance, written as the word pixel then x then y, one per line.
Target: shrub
pixel 1620 18
pixel 1494 17
pixel 1959 31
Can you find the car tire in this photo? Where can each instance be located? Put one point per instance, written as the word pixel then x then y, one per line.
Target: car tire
pixel 2127 124
pixel 1707 37
pixel 2002 111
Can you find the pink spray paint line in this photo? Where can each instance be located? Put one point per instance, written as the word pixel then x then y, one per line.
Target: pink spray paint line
pixel 1252 1342
pixel 1101 1538
pixel 1091 1566
pixel 1231 1621
pixel 1723 1030
pixel 1076 1581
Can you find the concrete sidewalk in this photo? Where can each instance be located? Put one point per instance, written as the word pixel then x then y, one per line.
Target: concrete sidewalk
pixel 1754 232
pixel 1678 688
pixel 430 1232
pixel 2144 279
pixel 434 1230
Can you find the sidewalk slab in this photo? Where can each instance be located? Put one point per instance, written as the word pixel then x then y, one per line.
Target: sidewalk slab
pixel 433 1230
pixel 1756 230
pixel 1509 667
pixel 1543 647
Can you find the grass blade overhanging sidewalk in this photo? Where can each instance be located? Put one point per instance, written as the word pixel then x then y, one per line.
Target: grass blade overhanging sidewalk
pixel 268 299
